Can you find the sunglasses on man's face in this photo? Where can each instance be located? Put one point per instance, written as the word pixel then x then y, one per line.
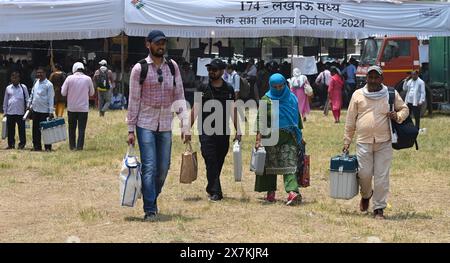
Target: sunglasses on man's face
pixel 160 76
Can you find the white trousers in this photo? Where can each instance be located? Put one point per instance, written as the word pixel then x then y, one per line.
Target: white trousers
pixel 374 160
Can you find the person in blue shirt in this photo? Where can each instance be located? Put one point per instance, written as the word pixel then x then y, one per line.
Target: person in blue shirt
pixel 118 101
pixel 42 102
pixel 349 73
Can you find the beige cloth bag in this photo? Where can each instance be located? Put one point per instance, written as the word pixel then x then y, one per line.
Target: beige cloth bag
pixel 189 165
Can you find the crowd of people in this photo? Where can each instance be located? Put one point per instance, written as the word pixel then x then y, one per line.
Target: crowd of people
pixel 156 84
pixel 46 95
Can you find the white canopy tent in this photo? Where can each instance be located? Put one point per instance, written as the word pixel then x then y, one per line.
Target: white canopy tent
pixel 323 18
pixel 86 19
pixel 25 20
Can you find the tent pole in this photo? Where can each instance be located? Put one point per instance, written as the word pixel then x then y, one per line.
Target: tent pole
pixel 292 53
pixel 345 50
pixel 122 63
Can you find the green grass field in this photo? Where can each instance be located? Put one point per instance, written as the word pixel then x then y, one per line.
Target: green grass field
pixel 48 197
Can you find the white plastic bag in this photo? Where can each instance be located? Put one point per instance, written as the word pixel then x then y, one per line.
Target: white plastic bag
pixel 237 161
pixel 258 160
pixel 130 179
pixel 308 90
pixel 4 129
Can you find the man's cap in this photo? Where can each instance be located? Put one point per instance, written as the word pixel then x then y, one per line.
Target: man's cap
pixel 155 36
pixel 77 66
pixel 103 62
pixel 216 63
pixel 376 68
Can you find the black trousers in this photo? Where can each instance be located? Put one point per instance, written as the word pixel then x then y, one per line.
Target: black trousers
pixel 37 117
pixel 80 119
pixel 323 94
pixel 214 150
pixel 415 110
pixel 11 121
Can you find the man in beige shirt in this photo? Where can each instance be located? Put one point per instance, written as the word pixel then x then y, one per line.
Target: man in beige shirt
pixel 369 116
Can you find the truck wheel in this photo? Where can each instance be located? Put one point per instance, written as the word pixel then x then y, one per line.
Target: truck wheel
pixel 428 101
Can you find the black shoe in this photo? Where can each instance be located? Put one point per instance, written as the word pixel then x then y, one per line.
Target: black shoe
pixel 150 216
pixel 21 147
pixel 36 150
pixel 378 214
pixel 9 148
pixel 215 197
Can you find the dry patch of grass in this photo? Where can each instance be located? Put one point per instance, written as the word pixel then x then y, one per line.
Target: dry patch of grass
pixel 48 197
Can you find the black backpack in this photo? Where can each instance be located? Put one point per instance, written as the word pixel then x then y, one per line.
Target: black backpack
pixel 144 70
pixel 406 131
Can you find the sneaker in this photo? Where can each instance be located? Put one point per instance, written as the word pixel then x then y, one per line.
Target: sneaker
pixel 270 196
pixel 378 214
pixel 215 198
pixel 150 216
pixel 292 197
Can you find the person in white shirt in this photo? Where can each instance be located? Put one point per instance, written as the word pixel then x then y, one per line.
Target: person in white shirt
pixel 322 81
pixel 14 105
pixel 415 95
pixel 232 78
pixel 250 73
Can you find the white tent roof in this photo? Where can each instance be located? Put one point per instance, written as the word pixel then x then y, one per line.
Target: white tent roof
pixel 60 19
pixel 85 19
pixel 315 18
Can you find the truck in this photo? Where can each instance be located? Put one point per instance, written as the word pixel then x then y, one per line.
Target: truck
pixel 398 56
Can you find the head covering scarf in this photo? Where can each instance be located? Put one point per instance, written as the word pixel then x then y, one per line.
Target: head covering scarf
pixel 297 79
pixel 288 114
pixel 376 95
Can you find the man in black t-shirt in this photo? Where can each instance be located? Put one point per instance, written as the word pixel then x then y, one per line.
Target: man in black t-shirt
pixel 214 129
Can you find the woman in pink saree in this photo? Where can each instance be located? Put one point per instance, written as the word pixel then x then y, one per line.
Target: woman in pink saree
pixel 335 93
pixel 297 85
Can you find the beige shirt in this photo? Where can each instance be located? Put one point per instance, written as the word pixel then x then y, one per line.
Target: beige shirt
pixel 369 118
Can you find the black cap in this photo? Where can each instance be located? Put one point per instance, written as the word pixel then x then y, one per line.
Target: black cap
pixel 155 36
pixel 216 63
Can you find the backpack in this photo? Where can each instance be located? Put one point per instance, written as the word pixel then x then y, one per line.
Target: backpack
pixel 244 88
pixel 406 131
pixel 144 70
pixel 103 81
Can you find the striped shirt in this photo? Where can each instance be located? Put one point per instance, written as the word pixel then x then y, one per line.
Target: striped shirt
pixel 150 105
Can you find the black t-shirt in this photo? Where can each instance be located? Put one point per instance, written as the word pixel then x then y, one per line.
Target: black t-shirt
pixel 221 96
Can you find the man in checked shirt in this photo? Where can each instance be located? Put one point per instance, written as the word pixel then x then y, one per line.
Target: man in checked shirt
pixel 150 113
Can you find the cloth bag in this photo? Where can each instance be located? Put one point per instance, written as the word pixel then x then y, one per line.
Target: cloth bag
pixel 130 179
pixel 189 165
pixel 308 90
pixel 4 128
pixel 303 168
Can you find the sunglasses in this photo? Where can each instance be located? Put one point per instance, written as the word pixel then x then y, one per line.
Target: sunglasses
pixel 160 76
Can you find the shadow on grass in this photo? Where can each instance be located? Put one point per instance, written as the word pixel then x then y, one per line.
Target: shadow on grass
pixel 237 199
pixel 192 199
pixel 161 218
pixel 394 217
pixel 408 215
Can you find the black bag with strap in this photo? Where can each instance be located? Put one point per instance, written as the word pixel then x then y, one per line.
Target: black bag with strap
pixel 144 70
pixel 406 131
